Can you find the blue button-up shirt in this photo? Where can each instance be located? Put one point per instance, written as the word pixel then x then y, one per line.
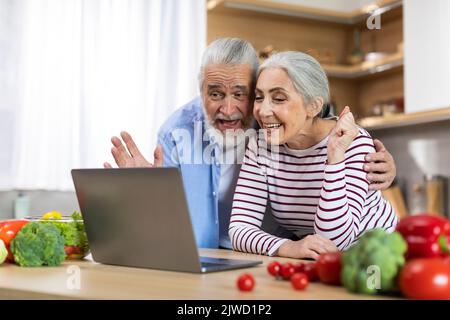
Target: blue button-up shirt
pixel 186 146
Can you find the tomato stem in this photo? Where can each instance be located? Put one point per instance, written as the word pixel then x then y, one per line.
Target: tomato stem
pixel 442 241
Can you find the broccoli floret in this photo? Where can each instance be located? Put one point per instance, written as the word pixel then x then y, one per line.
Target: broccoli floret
pixel 38 244
pixel 373 263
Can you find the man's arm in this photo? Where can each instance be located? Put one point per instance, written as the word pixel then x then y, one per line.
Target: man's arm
pixel 381 167
pixel 169 149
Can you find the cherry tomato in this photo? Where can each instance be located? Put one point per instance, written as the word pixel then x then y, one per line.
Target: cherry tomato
pixel 299 267
pixel 73 252
pixel 310 270
pixel 425 279
pixel 246 282
pixel 299 281
pixel 329 268
pixel 274 268
pixel 287 270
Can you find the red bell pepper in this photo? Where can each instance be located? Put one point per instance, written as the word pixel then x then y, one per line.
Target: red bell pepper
pixel 427 236
pixel 8 231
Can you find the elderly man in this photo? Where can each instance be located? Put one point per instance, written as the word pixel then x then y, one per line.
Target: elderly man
pixel 202 139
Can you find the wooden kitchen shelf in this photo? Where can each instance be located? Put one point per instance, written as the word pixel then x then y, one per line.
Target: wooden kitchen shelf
pixel 286 26
pixel 390 62
pixel 405 119
pixel 294 10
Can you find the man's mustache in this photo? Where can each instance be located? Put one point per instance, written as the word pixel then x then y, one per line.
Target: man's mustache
pixel 232 117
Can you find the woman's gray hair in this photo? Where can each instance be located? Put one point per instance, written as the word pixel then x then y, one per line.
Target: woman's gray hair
pixel 232 51
pixel 305 72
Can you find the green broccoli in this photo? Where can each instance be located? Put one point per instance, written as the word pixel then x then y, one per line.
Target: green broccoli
pixel 38 244
pixel 375 251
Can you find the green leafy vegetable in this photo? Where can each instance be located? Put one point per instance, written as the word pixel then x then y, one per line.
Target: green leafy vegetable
pixel 38 244
pixel 375 251
pixel 72 231
pixel 82 237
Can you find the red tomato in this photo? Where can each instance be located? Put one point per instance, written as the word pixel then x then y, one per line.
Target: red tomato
pixel 10 228
pixel 72 250
pixel 299 281
pixel 425 279
pixel 287 270
pixel 447 260
pixel 8 231
pixel 299 267
pixel 274 268
pixel 310 270
pixel 329 268
pixel 246 282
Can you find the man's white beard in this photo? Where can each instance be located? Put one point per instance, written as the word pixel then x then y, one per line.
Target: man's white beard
pixel 226 140
pixel 231 143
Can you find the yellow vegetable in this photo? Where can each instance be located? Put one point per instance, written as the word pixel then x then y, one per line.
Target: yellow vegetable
pixel 52 215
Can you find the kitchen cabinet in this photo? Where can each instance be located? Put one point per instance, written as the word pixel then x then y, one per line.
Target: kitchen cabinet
pixel 427 47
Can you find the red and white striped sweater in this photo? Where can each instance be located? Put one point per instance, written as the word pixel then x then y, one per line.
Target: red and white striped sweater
pixel 306 194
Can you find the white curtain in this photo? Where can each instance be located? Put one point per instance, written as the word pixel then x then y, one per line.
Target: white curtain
pixel 86 69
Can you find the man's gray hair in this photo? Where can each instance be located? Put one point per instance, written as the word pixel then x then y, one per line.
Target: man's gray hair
pixel 305 72
pixel 232 51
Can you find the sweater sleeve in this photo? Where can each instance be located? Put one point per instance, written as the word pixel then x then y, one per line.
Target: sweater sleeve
pixel 249 206
pixel 343 195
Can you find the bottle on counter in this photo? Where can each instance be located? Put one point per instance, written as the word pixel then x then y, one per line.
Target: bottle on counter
pixel 21 206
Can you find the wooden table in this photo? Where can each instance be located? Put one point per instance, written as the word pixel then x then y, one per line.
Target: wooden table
pixel 98 281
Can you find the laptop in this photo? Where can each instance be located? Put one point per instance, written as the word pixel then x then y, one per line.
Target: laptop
pixel 139 217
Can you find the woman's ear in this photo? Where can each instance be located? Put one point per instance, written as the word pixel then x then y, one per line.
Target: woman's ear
pixel 315 107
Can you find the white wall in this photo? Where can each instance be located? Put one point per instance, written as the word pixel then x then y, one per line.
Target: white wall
pixel 427 54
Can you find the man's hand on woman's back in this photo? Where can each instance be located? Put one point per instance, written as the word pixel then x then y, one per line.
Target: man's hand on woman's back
pixel 381 167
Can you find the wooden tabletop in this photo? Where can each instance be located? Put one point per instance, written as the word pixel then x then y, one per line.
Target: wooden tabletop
pixel 98 281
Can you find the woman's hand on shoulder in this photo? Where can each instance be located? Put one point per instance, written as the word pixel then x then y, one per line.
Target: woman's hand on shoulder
pixel 342 136
pixel 309 247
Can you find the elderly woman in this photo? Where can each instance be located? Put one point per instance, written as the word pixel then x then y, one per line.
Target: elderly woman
pixel 309 169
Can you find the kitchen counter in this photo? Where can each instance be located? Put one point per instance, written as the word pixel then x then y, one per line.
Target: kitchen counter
pixel 98 281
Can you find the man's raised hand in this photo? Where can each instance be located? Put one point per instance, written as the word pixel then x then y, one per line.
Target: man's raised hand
pixel 129 156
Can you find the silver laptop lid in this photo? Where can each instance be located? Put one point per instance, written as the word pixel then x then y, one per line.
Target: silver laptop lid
pixel 137 217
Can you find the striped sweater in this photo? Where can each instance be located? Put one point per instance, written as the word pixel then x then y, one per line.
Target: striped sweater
pixel 306 195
